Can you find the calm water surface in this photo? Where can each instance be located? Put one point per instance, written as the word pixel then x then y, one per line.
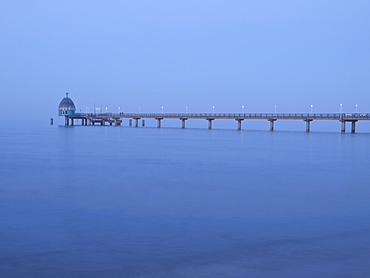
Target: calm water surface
pixel 147 202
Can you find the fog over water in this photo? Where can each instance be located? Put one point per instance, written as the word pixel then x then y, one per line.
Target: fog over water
pixel 153 54
pixel 92 201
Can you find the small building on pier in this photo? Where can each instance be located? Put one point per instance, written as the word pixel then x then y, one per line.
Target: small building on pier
pixel 66 107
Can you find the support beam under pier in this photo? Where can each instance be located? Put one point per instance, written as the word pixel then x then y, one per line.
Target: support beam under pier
pixel 183 122
pixel 353 127
pixel 210 123
pixel 239 123
pixel 343 129
pixel 159 122
pixel 136 122
pixel 271 124
pixel 308 124
pixel 117 122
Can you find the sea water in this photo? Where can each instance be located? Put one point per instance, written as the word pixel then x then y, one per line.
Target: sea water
pixel 93 201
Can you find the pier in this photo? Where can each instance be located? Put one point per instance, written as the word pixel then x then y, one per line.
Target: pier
pixel 116 118
pixel 67 109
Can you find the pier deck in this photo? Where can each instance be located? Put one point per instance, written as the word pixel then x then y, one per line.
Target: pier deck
pixel 116 118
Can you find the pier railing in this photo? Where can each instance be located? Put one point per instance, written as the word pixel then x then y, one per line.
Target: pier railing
pixel 116 118
pixel 314 116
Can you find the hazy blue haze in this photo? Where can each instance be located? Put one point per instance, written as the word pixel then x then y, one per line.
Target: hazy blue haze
pixel 175 53
pixel 171 202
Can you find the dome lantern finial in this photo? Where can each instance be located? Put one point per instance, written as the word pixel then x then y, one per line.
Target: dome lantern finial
pixel 66 94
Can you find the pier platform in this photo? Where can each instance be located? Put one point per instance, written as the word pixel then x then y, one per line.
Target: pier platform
pixel 116 118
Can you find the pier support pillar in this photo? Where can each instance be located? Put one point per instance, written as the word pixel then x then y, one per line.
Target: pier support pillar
pixel 88 121
pixel 130 122
pixel 72 122
pixel 143 123
pixel 343 129
pixel 271 124
pixel 210 123
pixel 136 122
pixel 353 127
pixel 117 122
pixel 239 123
pixel 308 125
pixel 183 122
pixel 159 122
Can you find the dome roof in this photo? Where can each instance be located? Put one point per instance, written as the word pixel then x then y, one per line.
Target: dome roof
pixel 66 104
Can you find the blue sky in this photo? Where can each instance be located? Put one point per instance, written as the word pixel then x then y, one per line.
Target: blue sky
pixel 174 54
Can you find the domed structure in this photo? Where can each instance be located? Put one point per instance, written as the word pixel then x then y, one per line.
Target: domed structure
pixel 66 107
